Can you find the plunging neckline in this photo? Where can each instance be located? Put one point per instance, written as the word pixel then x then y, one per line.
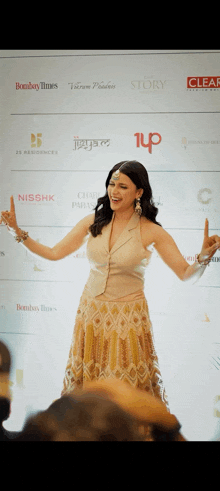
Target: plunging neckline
pixel 112 221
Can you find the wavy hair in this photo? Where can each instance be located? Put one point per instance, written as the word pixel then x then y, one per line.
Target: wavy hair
pixel 139 176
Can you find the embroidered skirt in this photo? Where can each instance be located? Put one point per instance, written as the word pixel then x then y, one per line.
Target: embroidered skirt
pixel 114 339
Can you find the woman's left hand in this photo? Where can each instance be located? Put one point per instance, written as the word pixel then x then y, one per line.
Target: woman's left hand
pixel 210 244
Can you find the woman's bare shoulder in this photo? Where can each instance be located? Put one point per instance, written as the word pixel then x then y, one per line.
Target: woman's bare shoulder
pixel 148 224
pixel 149 231
pixel 89 220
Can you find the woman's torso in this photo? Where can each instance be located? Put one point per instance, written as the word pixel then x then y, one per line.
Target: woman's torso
pixel 147 238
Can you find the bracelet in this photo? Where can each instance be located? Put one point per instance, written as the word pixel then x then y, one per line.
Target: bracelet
pixel 205 262
pixel 23 236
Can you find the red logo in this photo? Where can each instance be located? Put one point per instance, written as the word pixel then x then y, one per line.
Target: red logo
pixel 140 140
pixel 203 82
pixel 35 197
pixel 27 86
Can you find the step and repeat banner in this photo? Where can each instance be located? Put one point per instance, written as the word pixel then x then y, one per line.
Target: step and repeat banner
pixel 67 118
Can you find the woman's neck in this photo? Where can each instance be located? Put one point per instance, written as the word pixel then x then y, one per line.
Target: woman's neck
pixel 121 217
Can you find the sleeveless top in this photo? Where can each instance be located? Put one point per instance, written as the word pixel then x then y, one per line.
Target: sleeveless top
pixel 119 272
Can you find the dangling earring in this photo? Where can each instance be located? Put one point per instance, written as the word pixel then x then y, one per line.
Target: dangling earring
pixel 138 208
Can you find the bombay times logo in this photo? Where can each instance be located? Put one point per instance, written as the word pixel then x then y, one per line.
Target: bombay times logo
pixel 36 86
pixel 34 308
pixel 36 146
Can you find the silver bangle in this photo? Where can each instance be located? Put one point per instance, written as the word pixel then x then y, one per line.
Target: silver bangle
pixel 23 236
pixel 205 262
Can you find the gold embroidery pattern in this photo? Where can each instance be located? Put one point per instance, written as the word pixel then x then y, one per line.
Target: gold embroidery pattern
pixel 114 339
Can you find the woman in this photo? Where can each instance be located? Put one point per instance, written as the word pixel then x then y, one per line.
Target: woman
pixel 113 333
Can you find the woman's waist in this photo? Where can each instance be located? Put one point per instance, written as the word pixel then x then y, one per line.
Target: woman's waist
pixel 137 295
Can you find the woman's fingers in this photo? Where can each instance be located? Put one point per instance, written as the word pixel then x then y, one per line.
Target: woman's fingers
pixel 8 218
pixel 211 250
pixel 206 228
pixel 6 215
pixel 12 205
pixel 3 216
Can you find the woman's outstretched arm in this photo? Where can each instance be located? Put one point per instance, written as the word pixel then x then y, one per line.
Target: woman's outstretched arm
pixel 169 252
pixel 69 244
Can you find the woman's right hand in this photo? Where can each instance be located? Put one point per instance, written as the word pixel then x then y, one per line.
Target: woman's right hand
pixel 9 217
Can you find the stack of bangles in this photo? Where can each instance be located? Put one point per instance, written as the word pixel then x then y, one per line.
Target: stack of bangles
pixel 21 237
pixel 204 262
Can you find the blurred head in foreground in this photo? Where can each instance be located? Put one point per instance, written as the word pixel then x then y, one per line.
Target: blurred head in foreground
pixel 82 416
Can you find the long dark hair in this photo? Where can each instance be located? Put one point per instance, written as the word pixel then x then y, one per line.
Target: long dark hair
pixel 138 174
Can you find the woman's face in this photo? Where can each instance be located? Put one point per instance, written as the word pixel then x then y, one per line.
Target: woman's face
pixel 125 191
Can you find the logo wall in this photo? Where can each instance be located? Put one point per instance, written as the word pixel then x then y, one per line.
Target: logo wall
pixel 145 85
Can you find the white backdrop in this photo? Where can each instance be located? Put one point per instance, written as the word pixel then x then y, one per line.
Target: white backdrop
pixel 67 118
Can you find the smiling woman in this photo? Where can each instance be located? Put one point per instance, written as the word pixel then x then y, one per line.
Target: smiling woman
pixel 113 335
pixel 123 193
pixel 132 185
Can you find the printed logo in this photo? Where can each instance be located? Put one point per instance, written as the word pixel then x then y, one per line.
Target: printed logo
pixel 79 255
pixel 88 194
pixel 94 85
pixel 140 140
pixel 31 308
pixel 148 85
pixel 36 142
pixel 30 86
pixel 89 144
pixel 190 258
pixel 87 197
pixel 36 197
pixel 186 142
pixel 204 83
pixel 202 196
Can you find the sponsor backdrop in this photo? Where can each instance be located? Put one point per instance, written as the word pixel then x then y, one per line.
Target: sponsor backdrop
pixel 67 118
